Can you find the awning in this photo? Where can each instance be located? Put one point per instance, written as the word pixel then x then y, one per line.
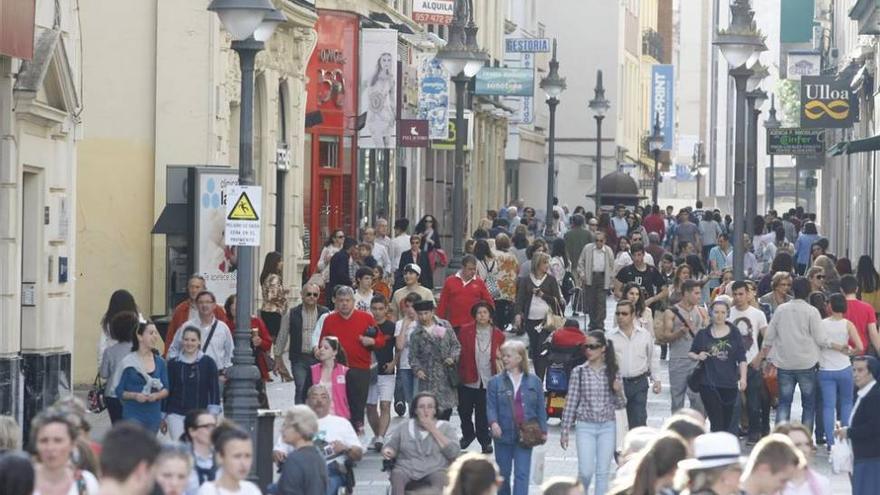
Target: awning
pixel 855 146
pixel 172 220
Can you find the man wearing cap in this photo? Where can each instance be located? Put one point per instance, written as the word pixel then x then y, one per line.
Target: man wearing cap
pixel 864 426
pixel 461 292
pixel 411 274
pixel 717 454
pixel 416 256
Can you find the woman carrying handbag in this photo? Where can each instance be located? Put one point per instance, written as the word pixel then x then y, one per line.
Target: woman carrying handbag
pixel 537 297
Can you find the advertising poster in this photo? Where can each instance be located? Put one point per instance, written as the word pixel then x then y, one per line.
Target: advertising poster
pixel 434 97
pixel 378 84
pixel 215 261
pixel 662 102
pixel 433 11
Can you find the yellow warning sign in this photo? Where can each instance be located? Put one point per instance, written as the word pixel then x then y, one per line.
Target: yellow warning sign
pixel 243 209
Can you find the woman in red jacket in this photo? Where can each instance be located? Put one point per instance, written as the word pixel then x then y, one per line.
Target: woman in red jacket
pixel 478 363
pixel 261 343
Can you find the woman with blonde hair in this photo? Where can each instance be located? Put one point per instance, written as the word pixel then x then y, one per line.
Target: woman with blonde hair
pixel 304 471
pixel 53 440
pixel 10 434
pixel 537 295
pixel 515 397
pixel 832 278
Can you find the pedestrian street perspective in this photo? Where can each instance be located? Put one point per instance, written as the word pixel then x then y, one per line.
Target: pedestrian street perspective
pixel 361 239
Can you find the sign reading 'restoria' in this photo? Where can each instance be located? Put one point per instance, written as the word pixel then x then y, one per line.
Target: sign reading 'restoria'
pixel 827 103
pixel 433 11
pixel 795 141
pixel 527 45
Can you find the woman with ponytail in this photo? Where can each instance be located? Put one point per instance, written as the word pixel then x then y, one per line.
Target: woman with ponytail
pixel 595 391
pixel 657 465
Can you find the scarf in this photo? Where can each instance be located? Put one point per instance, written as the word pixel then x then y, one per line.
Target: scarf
pixel 132 360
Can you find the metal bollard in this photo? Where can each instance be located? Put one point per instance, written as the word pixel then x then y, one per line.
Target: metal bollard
pixel 264 442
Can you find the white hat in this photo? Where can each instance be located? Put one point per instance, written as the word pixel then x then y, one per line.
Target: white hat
pixel 412 267
pixel 713 450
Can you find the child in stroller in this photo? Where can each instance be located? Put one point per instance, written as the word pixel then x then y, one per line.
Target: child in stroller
pixel 565 351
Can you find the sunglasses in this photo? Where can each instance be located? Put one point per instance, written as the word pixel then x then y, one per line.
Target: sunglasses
pixel 209 426
pixel 621 313
pixel 593 347
pixel 339 236
pixel 311 294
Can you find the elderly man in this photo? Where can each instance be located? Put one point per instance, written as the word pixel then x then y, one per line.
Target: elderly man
pixel 188 310
pixel 460 292
pixel 336 439
pixel 382 237
pixel 594 268
pixel 297 325
pixel 378 251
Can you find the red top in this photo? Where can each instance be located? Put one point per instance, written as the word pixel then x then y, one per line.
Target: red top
pixel 467 363
pixel 181 316
pixel 265 345
pixel 861 314
pixel 457 299
pixel 568 337
pixel 348 331
pixel 655 223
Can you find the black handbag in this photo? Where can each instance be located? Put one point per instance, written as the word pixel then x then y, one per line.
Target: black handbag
pixel 695 377
pixel 96 402
pixel 452 375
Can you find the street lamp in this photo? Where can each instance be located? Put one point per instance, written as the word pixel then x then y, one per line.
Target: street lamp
pixel 655 144
pixel 251 23
pixel 697 166
pixel 737 44
pixel 599 105
pixel 462 59
pixel 771 123
pixel 754 100
pixel 553 85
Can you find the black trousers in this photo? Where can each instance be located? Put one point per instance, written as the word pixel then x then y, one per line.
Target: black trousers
pixel 536 340
pixel 114 409
pixel 595 298
pixel 503 313
pixel 472 402
pixel 358 387
pixel 272 321
pixel 719 404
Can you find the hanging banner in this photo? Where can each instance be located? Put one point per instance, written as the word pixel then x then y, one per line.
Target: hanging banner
pixel 433 11
pixel 434 97
pixel 413 133
pixel 663 102
pixel 378 85
pixel 505 81
pixel 803 63
pixel 828 102
pixel 795 141
pixel 523 106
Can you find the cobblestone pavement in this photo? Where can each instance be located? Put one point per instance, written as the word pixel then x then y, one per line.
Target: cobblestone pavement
pixel 558 462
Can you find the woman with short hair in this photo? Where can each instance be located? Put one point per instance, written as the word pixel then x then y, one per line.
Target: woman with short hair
pixel 304 471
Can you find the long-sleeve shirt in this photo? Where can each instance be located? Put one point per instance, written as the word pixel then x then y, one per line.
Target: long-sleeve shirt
pixel 219 348
pixel 589 398
pixel 348 331
pixel 635 353
pixel 795 336
pixel 458 297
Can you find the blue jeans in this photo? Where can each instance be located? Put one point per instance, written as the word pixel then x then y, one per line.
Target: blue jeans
pixel 806 380
pixel 404 385
pixel 595 448
pixel 837 387
pixel 512 457
pixel 335 480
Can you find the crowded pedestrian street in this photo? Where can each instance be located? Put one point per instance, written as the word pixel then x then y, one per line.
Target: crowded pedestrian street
pixel 439 247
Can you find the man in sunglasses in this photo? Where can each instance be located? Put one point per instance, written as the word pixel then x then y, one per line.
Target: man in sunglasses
pixel 860 313
pixel 298 324
pixel 634 347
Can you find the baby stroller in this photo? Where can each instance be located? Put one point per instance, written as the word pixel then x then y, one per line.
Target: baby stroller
pixel 560 361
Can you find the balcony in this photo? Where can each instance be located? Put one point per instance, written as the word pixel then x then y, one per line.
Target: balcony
pixel 652 44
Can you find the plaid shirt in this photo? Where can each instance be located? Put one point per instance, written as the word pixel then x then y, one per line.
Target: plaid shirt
pixel 590 398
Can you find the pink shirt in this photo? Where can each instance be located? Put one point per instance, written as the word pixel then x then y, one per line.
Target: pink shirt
pixel 338 389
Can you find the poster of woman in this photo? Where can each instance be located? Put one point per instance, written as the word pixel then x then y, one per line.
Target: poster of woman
pixel 378 83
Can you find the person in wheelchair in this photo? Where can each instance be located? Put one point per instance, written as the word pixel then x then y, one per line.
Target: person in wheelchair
pixel 564 351
pixel 421 449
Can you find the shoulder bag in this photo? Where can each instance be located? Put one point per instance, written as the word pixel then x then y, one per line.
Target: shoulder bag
pixel 96 403
pixel 528 433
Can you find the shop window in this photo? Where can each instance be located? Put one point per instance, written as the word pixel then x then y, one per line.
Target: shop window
pixel 328 151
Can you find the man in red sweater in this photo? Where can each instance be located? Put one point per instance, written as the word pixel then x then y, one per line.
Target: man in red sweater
pixel 358 335
pixel 461 292
pixel 655 223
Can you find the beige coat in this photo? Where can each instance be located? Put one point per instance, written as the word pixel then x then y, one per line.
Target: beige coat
pixel 585 265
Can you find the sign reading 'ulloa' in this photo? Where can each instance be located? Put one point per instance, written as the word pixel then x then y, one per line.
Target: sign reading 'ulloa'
pixel 827 102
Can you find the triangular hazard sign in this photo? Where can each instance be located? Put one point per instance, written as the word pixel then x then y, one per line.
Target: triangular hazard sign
pixel 243 209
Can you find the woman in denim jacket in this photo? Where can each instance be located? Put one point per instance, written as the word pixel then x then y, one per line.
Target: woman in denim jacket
pixel 514 396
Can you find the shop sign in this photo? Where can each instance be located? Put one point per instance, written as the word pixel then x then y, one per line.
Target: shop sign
pixel 663 102
pixel 413 133
pixel 449 144
pixel 523 106
pixel 795 141
pixel 527 45
pixel 378 84
pixel 827 102
pixel 505 81
pixel 434 97
pixel 801 63
pixel 332 70
pixel 433 11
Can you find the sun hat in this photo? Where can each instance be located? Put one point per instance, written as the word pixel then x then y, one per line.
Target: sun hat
pixel 713 450
pixel 412 267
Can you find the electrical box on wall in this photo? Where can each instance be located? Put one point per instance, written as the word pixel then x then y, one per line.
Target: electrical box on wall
pixel 57 219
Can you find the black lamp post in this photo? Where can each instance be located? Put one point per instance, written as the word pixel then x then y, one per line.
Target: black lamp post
pixel 599 105
pixel 553 85
pixel 655 144
pixel 697 167
pixel 771 123
pixel 462 59
pixel 250 23
pixel 737 44
pixel 754 100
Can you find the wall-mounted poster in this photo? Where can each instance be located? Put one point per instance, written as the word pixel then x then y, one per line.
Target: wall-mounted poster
pixel 378 85
pixel 434 97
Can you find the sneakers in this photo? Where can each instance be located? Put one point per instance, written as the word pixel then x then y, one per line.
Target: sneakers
pixel 487 449
pixel 400 408
pixel 377 444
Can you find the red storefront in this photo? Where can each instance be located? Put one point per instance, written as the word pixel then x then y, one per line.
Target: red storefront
pixel 331 141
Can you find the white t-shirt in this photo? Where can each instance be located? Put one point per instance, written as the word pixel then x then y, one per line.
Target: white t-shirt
pixel 749 322
pixel 362 301
pixel 404 354
pixel 244 488
pixel 92 487
pixel 330 429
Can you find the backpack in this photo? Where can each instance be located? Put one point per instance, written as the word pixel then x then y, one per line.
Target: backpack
pixel 557 378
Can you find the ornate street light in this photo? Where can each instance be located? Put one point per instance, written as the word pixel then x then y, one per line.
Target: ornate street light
pixel 772 123
pixel 553 85
pixel 737 44
pixel 655 144
pixel 599 105
pixel 754 100
pixel 251 23
pixel 463 60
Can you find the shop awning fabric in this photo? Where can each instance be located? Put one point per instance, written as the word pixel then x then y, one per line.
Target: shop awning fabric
pixel 855 146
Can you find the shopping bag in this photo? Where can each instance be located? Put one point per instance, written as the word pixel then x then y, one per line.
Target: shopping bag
pixel 539 455
pixel 621 428
pixel 841 457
